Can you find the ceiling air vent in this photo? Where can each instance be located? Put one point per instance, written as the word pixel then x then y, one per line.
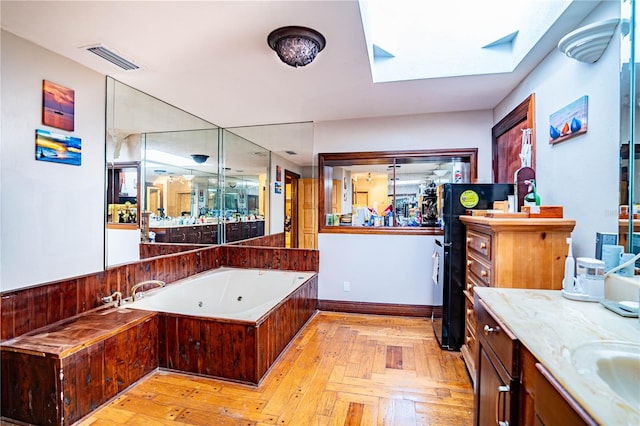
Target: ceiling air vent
pixel 114 58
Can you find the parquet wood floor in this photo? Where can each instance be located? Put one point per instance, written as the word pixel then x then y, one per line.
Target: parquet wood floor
pixel 342 369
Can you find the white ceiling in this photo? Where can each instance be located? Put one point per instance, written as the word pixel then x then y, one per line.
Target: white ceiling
pixel 211 58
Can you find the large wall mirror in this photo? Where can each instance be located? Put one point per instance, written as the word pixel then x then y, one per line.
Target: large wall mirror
pixel 629 229
pixel 175 178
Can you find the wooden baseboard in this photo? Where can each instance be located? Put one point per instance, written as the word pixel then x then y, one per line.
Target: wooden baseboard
pixel 379 308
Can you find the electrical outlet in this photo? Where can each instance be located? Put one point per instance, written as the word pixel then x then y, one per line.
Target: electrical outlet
pixel 347 286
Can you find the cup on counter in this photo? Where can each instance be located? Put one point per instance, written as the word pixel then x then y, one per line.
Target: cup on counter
pixel 611 255
pixel 628 270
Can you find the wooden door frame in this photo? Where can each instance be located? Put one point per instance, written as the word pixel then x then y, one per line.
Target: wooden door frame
pixel 523 112
pixel 293 177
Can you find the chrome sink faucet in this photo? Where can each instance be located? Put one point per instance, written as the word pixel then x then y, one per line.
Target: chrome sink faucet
pixel 135 296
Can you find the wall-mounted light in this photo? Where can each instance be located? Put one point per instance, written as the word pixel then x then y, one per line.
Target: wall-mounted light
pixel 296 46
pixel 588 43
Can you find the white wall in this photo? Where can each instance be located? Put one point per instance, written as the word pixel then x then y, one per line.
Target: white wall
pixel 123 246
pixel 470 129
pixel 51 215
pixel 392 268
pixel 582 173
pixel 379 268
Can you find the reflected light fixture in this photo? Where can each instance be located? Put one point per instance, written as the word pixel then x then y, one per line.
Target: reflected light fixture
pixel 296 46
pixel 199 158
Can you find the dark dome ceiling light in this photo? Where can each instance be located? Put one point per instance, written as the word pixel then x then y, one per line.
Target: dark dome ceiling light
pixel 296 46
pixel 199 158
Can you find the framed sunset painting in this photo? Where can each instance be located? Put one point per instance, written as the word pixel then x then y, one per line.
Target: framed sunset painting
pixel 58 106
pixel 58 148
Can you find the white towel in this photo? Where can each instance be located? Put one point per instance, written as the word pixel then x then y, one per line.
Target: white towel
pixel 436 264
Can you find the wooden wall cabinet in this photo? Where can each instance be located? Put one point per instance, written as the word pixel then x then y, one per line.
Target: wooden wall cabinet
pixel 515 253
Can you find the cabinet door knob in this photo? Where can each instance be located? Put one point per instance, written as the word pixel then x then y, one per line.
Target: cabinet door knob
pixel 484 273
pixel 488 330
pixel 469 263
pixel 468 241
pixel 483 245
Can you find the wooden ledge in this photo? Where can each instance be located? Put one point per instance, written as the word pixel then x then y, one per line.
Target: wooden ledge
pixel 68 336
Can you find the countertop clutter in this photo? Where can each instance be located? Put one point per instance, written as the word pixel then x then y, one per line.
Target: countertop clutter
pixel 552 327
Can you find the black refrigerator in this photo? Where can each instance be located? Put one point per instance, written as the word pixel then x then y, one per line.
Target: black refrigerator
pixel 455 200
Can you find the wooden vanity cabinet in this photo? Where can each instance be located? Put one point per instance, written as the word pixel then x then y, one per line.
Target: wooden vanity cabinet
pixel 233 232
pixel 553 405
pixel 511 386
pixel 522 253
pixel 194 234
pixel 497 376
pixel 178 235
pixel 209 234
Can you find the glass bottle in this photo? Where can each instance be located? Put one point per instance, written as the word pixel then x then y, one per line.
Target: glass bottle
pixel 532 198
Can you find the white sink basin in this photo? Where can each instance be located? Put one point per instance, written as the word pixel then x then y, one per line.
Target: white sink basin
pixel 617 364
pixel 620 288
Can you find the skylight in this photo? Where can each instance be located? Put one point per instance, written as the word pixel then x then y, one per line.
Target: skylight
pixel 417 39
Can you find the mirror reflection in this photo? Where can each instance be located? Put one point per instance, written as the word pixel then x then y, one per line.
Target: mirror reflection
pixel 629 220
pixel 175 178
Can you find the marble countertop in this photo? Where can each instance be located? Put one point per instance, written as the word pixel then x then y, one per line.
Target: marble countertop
pixel 551 327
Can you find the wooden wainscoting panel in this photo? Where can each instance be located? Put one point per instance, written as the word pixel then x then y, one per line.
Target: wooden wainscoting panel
pixel 333 373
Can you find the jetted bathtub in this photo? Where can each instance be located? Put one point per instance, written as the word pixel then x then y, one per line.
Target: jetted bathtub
pixel 230 323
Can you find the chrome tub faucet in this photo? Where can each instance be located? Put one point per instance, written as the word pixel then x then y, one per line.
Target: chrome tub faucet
pixel 136 296
pixel 115 298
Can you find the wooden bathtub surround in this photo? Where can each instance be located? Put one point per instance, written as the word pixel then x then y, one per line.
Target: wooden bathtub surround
pixel 27 309
pixel 68 369
pixel 59 374
pixel 270 258
pixel 63 326
pixel 231 349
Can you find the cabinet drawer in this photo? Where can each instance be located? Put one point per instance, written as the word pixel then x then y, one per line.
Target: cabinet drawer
pixel 178 235
pixel 480 268
pixel 472 282
pixel 499 338
pixel 470 341
pixel 470 318
pixel 480 243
